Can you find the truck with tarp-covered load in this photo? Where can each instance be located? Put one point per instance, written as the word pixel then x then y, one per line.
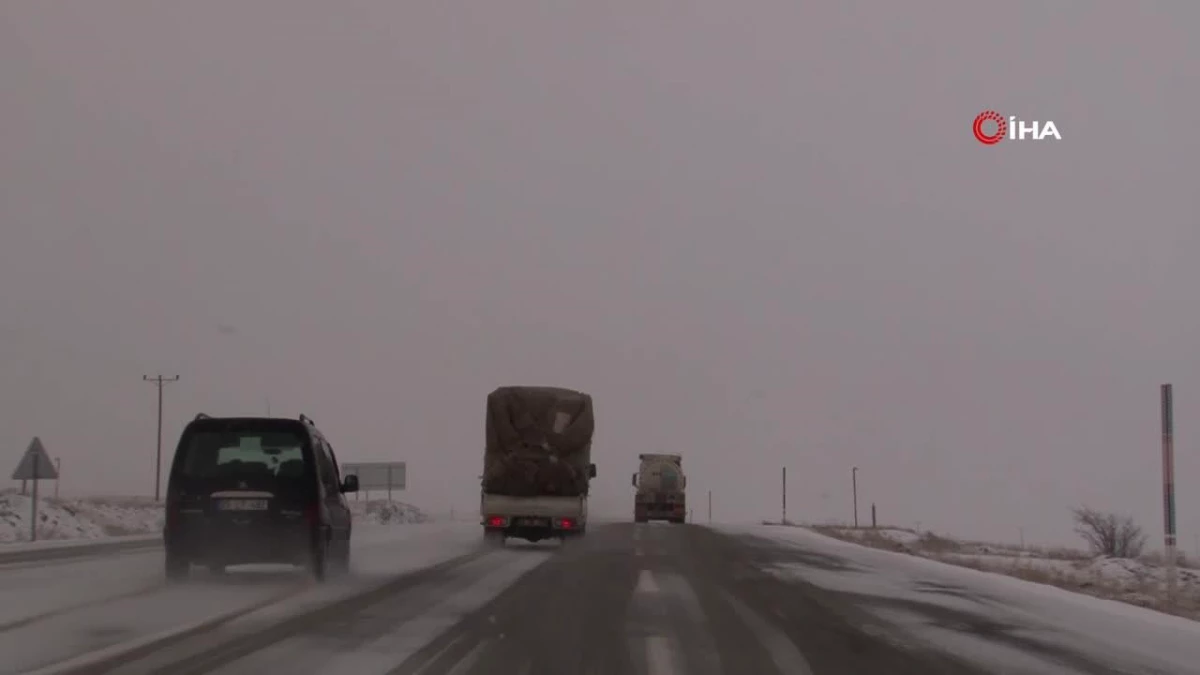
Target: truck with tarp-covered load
pixel 537 464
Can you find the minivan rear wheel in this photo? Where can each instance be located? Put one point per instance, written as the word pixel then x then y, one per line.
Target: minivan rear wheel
pixel 341 558
pixel 318 563
pixel 177 567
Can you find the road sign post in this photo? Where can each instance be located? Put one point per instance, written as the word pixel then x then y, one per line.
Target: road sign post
pixel 33 503
pixel 35 465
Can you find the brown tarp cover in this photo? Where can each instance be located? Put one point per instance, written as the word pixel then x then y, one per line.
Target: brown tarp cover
pixel 539 442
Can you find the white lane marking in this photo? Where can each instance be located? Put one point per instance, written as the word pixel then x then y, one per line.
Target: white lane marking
pixel 660 657
pixel 660 601
pixel 646 582
pixel 464 664
pixel 684 609
pixel 425 669
pixel 637 534
pixel 784 653
pixel 638 552
pixel 684 594
pixel 385 653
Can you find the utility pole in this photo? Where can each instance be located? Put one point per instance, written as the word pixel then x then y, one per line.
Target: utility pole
pixel 854 489
pixel 784 520
pixel 1168 461
pixel 159 381
pixel 57 474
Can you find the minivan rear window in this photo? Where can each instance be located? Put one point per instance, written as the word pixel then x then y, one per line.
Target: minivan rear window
pixel 246 455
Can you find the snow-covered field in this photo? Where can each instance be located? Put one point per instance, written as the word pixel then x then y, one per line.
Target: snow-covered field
pixel 1139 582
pixel 997 621
pixel 102 517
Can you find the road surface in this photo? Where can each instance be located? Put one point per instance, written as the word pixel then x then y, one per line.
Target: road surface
pixel 646 600
pixel 60 608
pixel 674 599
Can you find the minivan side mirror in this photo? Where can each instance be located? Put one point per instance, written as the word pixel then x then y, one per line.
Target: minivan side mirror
pixel 350 483
pixel 591 470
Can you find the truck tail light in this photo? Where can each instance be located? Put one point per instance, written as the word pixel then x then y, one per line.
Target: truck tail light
pixel 496 521
pixel 566 523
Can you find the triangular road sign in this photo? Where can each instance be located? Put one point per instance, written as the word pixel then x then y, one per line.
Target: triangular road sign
pixel 36 464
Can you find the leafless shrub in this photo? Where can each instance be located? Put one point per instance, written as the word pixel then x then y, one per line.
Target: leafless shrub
pixel 1059 553
pixel 1109 534
pixel 932 543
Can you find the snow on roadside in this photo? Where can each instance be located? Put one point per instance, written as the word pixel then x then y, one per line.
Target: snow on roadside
pixel 383 512
pixel 95 518
pixel 1137 582
pixel 90 518
pixel 990 618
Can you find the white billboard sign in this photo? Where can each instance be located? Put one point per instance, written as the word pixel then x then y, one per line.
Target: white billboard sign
pixel 377 475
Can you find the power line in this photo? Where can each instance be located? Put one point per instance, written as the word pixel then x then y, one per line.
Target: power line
pixel 159 381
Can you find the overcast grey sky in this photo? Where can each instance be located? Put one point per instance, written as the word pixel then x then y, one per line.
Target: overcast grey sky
pixel 759 233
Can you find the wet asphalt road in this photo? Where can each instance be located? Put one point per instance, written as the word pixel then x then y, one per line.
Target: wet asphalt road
pixel 624 600
pixel 665 600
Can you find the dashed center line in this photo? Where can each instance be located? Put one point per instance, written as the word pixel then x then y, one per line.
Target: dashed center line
pixel 660 657
pixel 646 582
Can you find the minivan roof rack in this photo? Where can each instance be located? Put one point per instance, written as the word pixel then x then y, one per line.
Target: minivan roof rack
pixel 202 416
pixel 306 419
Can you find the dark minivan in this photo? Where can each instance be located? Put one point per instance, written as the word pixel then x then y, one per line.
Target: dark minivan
pixel 246 490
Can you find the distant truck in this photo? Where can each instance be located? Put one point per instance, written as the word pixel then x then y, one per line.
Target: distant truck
pixel 660 487
pixel 537 464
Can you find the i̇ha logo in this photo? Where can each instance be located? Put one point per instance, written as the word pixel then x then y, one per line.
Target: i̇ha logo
pixel 991 127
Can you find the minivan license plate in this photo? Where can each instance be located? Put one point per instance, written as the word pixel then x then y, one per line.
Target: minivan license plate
pixel 243 505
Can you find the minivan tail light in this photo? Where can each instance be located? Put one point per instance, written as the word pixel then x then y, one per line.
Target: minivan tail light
pixel 312 514
pixel 172 513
